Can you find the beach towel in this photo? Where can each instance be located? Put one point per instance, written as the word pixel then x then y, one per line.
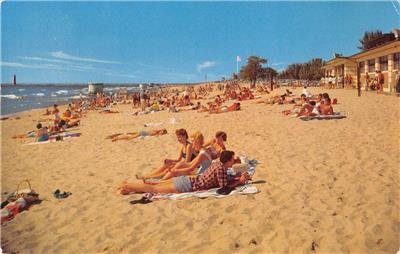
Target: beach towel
pixel 56 138
pixel 240 190
pixel 337 115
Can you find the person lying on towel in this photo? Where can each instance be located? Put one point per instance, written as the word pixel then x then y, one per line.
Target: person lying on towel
pixel 214 177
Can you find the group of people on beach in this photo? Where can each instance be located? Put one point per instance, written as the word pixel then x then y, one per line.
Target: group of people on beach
pixel 199 166
pixel 58 123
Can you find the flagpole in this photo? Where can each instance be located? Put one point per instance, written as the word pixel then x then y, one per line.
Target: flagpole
pixel 237 66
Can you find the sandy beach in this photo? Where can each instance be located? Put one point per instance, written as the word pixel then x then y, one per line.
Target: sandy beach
pixel 331 186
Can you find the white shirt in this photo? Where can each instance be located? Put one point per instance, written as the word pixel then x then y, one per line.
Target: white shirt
pixel 306 93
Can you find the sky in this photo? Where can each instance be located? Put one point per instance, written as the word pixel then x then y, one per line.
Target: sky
pixel 175 42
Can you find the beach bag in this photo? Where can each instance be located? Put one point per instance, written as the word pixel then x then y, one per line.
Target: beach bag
pixel 27 193
pixel 20 200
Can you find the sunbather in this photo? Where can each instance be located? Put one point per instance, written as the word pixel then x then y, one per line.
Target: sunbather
pixel 133 135
pixel 186 154
pixel 42 133
pixel 234 107
pixel 214 177
pixel 217 144
pixel 325 108
pixel 197 166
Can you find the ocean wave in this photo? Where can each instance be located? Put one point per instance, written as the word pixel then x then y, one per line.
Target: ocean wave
pixel 38 94
pixel 62 92
pixel 78 97
pixel 11 96
pixel 21 89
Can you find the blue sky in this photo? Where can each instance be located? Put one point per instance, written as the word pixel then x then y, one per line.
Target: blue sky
pixel 164 42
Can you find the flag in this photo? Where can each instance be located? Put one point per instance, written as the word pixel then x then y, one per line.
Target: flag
pixel 238 59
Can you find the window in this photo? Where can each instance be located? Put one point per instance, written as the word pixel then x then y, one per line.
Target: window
pixel 383 62
pixel 371 65
pixel 396 59
pixel 361 65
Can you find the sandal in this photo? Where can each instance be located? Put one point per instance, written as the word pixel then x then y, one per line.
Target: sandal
pixel 58 195
pixel 143 200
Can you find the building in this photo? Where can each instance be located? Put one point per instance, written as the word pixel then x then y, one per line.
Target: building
pixel 384 57
pixel 94 88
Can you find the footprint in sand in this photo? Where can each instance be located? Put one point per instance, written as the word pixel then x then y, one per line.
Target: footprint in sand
pixel 377 229
pixel 230 209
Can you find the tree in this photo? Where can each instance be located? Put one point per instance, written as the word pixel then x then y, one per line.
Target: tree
pixel 269 74
pixel 253 69
pixel 368 38
pixel 312 70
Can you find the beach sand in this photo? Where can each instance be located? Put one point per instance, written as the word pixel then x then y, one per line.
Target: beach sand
pixel 331 186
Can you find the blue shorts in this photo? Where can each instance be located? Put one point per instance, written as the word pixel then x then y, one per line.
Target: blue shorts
pixel 143 133
pixel 182 184
pixel 43 138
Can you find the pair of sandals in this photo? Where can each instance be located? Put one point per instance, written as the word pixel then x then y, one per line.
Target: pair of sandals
pixel 60 195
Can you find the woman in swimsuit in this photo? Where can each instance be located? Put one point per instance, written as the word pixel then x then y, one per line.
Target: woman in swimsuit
pixel 133 135
pixel 234 107
pixel 217 144
pixel 198 165
pixel 42 133
pixel 186 154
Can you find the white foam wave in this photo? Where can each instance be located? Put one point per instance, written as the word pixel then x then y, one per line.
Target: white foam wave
pixel 21 89
pixel 62 92
pixel 78 96
pixel 38 94
pixel 11 96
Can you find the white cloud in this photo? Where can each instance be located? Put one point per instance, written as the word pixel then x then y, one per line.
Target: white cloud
pixel 30 66
pixel 34 58
pixel 62 55
pixel 206 64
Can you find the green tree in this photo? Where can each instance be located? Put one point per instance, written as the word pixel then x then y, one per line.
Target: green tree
pixel 369 37
pixel 269 74
pixel 253 69
pixel 312 70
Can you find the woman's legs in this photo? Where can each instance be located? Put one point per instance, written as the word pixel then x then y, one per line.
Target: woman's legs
pixel 158 172
pixel 113 135
pixel 163 187
pixel 128 136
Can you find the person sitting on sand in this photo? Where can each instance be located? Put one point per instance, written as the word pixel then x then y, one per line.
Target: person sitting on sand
pixel 214 177
pixel 133 135
pixel 325 108
pixel 57 128
pixel 234 107
pixel 198 165
pixel 217 144
pixel 306 92
pixel 42 133
pixel 55 109
pixel 47 113
pixel 186 154
pixel 308 110
pixel 62 125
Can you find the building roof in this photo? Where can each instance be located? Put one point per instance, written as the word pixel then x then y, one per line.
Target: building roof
pixel 374 49
pixel 351 59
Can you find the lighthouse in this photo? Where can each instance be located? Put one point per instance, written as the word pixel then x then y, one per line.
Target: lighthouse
pixel 14 80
